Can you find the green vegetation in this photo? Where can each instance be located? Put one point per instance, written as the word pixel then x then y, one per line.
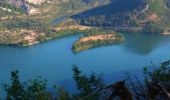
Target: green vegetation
pixel 11 7
pixel 53 35
pixel 4 13
pixel 13 23
pixel 153 28
pixel 23 43
pixel 124 20
pixel 106 14
pixel 93 41
pixel 37 89
pixel 68 8
pixel 112 15
pixel 34 89
pixel 155 86
pixel 157 6
pixel 67 32
pixel 151 16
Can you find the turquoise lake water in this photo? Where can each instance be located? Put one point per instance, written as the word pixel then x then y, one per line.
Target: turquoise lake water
pixel 53 59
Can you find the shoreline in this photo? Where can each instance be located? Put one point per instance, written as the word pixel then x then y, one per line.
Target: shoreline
pixel 88 42
pixel 71 30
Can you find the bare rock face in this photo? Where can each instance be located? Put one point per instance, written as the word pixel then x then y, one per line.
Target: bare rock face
pixel 27 5
pixel 37 2
pixel 33 10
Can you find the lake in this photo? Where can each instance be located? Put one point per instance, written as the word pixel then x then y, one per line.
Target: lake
pixel 53 59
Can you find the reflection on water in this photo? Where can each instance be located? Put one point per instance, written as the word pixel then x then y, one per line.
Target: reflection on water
pixel 53 59
pixel 144 43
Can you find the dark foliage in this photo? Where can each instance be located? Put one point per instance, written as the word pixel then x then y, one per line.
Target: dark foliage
pixel 155 87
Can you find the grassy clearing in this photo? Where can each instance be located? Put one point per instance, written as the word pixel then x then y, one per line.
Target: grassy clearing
pixel 157 6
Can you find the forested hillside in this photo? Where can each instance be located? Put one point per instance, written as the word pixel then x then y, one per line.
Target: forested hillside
pixel 23 22
pixel 120 15
pixel 149 15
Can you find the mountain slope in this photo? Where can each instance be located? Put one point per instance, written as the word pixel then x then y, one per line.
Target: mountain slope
pixel 149 15
pixel 115 14
pixel 30 28
pixel 18 24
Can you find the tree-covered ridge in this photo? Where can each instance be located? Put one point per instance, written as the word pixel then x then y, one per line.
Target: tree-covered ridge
pixel 110 15
pixel 155 86
pixel 135 15
pixel 35 7
pixel 149 15
pixel 25 29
